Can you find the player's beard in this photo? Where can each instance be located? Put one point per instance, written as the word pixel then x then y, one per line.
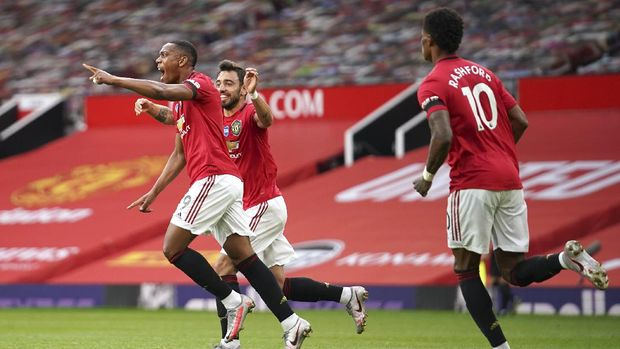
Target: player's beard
pixel 233 100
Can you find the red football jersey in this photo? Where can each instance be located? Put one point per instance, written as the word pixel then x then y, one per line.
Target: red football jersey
pixel 199 122
pixel 248 146
pixel 483 154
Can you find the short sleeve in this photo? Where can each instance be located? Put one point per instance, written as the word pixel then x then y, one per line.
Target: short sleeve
pixel 508 100
pixel 432 96
pixel 199 84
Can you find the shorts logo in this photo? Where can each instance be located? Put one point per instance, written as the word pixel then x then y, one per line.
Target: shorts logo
pixel 226 130
pixel 236 127
pixel 186 200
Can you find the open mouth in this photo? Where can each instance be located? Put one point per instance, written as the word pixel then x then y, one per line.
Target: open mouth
pixel 161 70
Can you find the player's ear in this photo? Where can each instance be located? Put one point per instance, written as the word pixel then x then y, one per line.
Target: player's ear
pixel 183 60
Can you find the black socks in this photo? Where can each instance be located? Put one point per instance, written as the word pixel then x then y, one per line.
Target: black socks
pixel 194 265
pixel 308 290
pixel 535 269
pixel 480 306
pixel 263 281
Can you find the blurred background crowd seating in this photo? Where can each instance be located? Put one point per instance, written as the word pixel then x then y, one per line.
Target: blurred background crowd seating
pixel 296 42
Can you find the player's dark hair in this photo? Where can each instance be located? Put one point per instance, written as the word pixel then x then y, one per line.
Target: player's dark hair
pixel 227 65
pixel 445 27
pixel 188 49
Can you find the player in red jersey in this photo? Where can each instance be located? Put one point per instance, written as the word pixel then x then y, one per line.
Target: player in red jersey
pixel 213 204
pixel 476 123
pixel 246 132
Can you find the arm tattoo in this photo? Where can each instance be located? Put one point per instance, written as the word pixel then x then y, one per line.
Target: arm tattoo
pixel 162 115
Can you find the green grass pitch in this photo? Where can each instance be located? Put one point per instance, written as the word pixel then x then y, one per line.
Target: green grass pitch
pixel 176 329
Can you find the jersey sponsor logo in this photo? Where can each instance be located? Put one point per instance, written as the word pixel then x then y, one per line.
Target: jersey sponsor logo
pixel 85 181
pixel 232 146
pixel 193 82
pixel 226 130
pixel 43 215
pixel 183 129
pixel 542 180
pixel 294 104
pixel 315 252
pixel 235 127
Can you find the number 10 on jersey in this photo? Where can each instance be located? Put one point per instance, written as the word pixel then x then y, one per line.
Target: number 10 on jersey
pixel 473 96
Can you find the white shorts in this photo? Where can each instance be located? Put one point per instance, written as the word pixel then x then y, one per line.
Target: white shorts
pixel 213 205
pixel 477 216
pixel 267 221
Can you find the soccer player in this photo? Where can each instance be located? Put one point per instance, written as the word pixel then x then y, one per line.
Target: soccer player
pixel 246 132
pixel 213 203
pixel 476 123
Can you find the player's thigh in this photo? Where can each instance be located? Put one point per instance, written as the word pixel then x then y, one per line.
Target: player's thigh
pixel 470 219
pixel 204 204
pixel 510 229
pixel 267 220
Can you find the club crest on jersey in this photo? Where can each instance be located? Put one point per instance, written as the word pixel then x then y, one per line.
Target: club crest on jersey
pixel 226 131
pixel 236 127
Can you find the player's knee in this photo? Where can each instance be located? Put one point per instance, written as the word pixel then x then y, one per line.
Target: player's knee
pixel 466 265
pixel 172 254
pixel 238 248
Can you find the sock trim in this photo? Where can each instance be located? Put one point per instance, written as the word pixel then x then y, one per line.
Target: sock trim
pixel 177 255
pixel 230 279
pixel 467 275
pixel 244 264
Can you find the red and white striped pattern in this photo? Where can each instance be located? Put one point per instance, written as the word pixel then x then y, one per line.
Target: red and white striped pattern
pixel 262 208
pixel 455 221
pixel 202 196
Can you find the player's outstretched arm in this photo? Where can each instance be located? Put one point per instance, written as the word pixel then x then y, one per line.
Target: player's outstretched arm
pixel 441 139
pixel 159 112
pixel 147 88
pixel 173 167
pixel 518 121
pixel 263 116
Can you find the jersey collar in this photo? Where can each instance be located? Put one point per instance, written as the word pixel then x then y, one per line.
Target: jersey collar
pixel 448 57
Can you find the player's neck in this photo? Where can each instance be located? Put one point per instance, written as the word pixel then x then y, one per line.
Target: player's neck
pixel 440 55
pixel 184 75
